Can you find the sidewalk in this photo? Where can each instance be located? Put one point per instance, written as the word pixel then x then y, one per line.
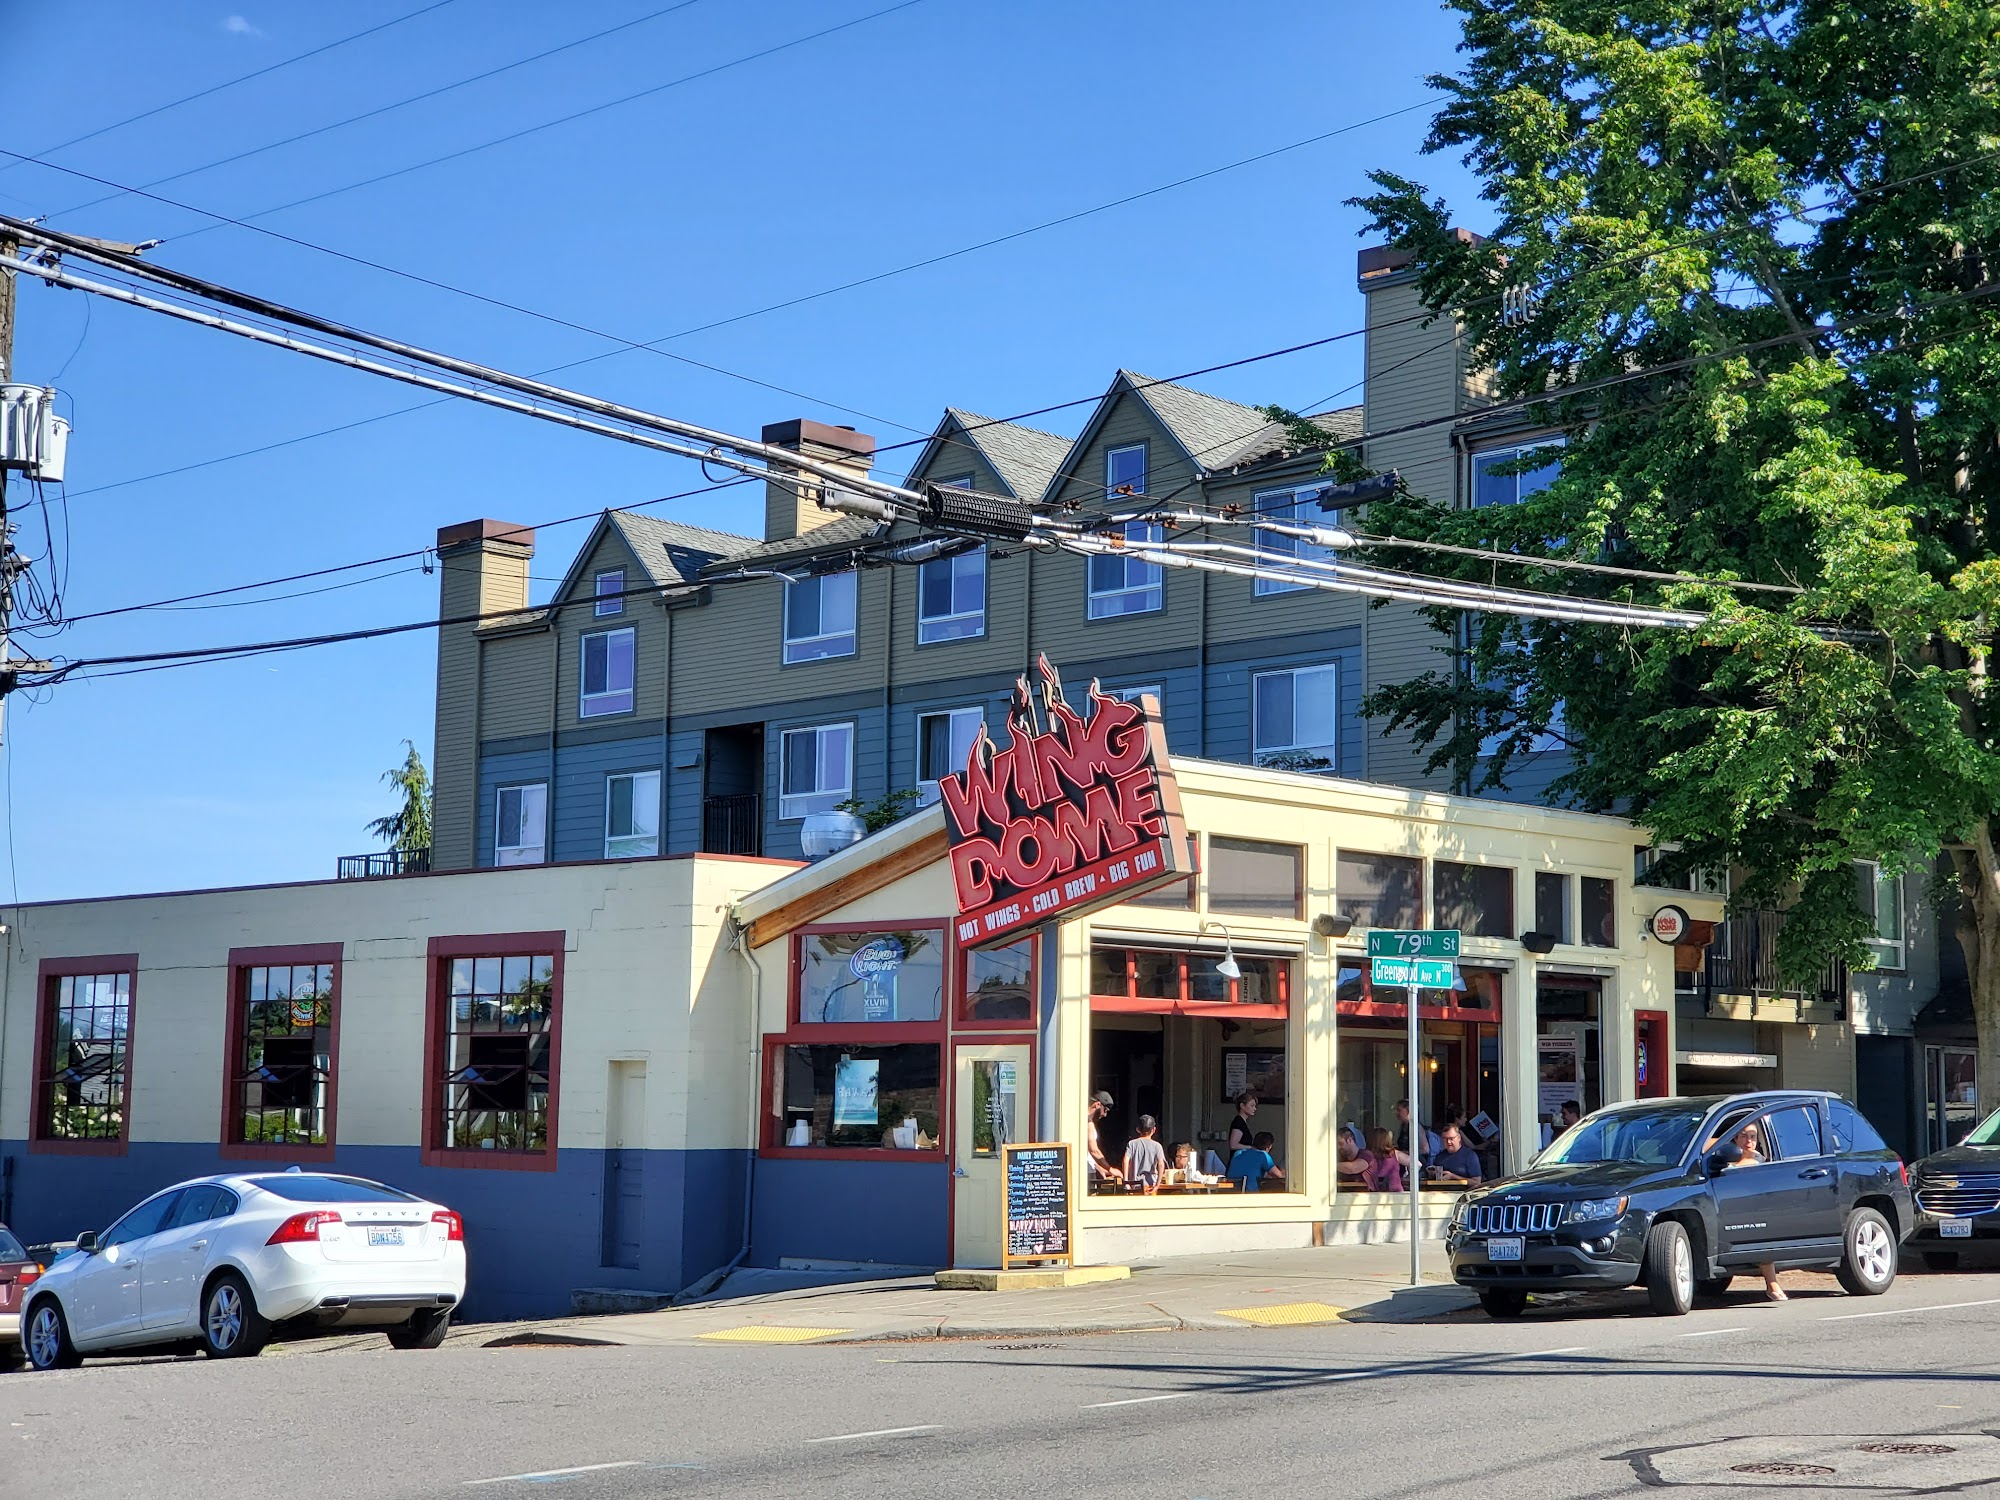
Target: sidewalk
pixel 1268 1288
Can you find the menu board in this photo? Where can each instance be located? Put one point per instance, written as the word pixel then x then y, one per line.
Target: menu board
pixel 1039 1222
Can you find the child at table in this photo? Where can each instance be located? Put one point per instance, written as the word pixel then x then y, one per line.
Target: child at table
pixel 1184 1168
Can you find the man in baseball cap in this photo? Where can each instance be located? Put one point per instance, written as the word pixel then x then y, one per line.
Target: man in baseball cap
pixel 1100 1169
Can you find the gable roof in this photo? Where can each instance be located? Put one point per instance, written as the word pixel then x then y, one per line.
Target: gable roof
pixel 1025 458
pixel 1274 439
pixel 673 552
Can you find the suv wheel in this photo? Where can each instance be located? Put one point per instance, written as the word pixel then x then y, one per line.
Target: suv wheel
pixel 1503 1302
pixel 1669 1269
pixel 1868 1268
pixel 48 1341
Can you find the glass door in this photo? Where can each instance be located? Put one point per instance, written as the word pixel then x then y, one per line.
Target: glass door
pixel 994 1106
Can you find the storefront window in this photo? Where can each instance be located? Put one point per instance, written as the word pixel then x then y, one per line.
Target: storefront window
pixel 1379 890
pixel 1247 878
pixel 1597 913
pixel 1160 982
pixel 1476 900
pixel 1187 1071
pixel 996 1101
pixel 999 984
pixel 857 1097
pixel 871 977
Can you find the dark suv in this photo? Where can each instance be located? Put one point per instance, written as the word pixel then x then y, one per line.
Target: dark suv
pixel 1958 1196
pixel 1656 1193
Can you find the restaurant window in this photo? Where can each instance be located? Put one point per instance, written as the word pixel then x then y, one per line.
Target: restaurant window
pixel 632 815
pixel 1597 914
pixel 1379 890
pixel 520 824
pixel 608 662
pixel 1295 719
pixel 815 770
pixel 876 978
pixel 1175 895
pixel 498 1014
pixel 997 985
pixel 1150 980
pixel 1247 878
pixel 951 598
pixel 857 1096
pixel 1476 900
pixel 609 593
pixel 944 744
pixel 1296 507
pixel 83 1070
pixel 1552 906
pixel 1881 898
pixel 996 1105
pixel 281 1054
pixel 1121 585
pixel 819 617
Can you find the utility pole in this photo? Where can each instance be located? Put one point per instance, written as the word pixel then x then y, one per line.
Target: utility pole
pixel 9 564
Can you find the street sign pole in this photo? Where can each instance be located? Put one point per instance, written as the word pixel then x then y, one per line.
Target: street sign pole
pixel 1416 1125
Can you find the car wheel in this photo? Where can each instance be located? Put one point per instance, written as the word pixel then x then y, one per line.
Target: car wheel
pixel 1868 1268
pixel 231 1327
pixel 49 1345
pixel 1500 1302
pixel 425 1330
pixel 1669 1269
pixel 1941 1260
pixel 1715 1286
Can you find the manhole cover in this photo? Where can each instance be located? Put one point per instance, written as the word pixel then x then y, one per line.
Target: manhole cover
pixel 1913 1450
pixel 1784 1471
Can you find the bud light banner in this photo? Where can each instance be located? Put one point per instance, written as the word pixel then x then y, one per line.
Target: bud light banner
pixel 876 963
pixel 1071 814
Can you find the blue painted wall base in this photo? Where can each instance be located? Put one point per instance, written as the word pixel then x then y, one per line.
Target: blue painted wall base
pixel 893 1212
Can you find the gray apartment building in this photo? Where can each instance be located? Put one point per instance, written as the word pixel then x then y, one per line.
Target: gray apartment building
pixel 686 689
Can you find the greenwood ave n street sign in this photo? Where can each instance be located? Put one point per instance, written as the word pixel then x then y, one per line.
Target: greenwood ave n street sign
pixel 1423 973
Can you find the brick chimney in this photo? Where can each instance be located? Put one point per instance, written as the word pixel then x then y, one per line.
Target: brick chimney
pixel 482 570
pixel 787 513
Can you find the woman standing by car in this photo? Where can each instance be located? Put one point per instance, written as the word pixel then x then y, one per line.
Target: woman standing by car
pixel 1749 1143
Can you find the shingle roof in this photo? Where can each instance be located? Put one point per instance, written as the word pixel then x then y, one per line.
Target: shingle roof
pixel 1275 438
pixel 673 552
pixel 1209 427
pixel 844 532
pixel 1025 458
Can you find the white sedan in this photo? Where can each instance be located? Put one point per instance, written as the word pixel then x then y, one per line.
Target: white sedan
pixel 229 1262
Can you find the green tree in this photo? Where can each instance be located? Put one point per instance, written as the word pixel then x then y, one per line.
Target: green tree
pixel 1742 259
pixel 409 826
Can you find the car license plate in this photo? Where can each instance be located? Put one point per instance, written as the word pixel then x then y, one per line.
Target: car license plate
pixel 1955 1229
pixel 1504 1249
pixel 385 1237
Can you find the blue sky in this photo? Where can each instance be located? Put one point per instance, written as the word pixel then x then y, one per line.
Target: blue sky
pixel 907 135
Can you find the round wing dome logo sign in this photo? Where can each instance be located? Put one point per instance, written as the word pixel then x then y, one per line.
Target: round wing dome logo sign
pixel 1670 924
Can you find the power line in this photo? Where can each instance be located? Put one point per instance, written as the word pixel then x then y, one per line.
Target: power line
pixel 230 83
pixel 377 112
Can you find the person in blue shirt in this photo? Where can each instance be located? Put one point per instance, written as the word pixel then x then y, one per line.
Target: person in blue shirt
pixel 1458 1162
pixel 1253 1163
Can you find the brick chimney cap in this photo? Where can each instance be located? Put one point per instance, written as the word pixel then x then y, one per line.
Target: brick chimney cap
pixel 802 430
pixel 1381 260
pixel 486 531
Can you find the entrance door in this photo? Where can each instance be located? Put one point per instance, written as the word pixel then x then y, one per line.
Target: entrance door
pixel 995 1106
pixel 624 1162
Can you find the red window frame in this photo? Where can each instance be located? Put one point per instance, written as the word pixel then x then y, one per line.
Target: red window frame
pixel 799 1033
pixel 437 995
pixel 1398 1009
pixel 47 976
pixel 1131 1002
pixel 961 991
pixel 241 961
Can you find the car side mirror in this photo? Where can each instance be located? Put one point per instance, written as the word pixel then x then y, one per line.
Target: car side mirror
pixel 1728 1154
pixel 87 1242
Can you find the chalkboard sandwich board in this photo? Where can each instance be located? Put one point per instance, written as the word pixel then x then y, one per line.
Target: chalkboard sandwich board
pixel 1040 1224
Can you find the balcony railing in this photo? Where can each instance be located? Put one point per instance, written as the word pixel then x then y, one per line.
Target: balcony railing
pixel 730 825
pixel 1743 961
pixel 380 866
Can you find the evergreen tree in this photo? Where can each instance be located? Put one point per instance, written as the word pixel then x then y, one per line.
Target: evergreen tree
pixel 408 828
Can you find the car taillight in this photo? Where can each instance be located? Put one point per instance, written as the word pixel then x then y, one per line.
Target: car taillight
pixel 302 1227
pixel 454 1226
pixel 27 1274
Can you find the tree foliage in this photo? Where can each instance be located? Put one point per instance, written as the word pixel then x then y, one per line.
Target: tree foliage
pixel 409 826
pixel 1741 260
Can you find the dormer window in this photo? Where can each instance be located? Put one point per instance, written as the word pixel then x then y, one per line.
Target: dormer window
pixel 610 592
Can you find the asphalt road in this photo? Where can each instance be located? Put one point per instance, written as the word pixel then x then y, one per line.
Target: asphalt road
pixel 1739 1398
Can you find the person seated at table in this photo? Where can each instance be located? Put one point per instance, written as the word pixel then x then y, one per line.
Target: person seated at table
pixel 1457 1162
pixel 1355 1162
pixel 1252 1165
pixel 1386 1175
pixel 1145 1159
pixel 1427 1140
pixel 1184 1164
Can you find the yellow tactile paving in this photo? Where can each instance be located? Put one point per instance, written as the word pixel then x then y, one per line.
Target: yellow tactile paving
pixel 1283 1314
pixel 771 1334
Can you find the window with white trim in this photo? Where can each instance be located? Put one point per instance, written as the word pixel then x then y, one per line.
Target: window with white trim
pixel 1494 484
pixel 610 592
pixel 944 741
pixel 1134 694
pixel 607 671
pixel 951 598
pixel 1298 506
pixel 819 617
pixel 1881 898
pixel 520 824
pixel 631 814
pixel 815 769
pixel 1121 585
pixel 1295 718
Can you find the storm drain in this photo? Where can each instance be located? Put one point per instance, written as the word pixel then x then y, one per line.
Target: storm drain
pixel 1907 1450
pixel 1783 1471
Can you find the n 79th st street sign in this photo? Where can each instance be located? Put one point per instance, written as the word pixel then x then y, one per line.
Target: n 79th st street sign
pixel 1388 943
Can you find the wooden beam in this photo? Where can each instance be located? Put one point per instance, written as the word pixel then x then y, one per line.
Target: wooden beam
pixel 850 887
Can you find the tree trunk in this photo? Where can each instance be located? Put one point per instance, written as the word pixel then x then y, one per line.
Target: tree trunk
pixel 1979 935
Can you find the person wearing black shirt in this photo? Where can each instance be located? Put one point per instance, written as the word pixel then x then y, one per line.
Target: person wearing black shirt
pixel 1238 1135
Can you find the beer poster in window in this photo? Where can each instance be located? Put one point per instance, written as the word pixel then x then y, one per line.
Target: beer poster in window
pixel 1076 811
pixel 1040 1222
